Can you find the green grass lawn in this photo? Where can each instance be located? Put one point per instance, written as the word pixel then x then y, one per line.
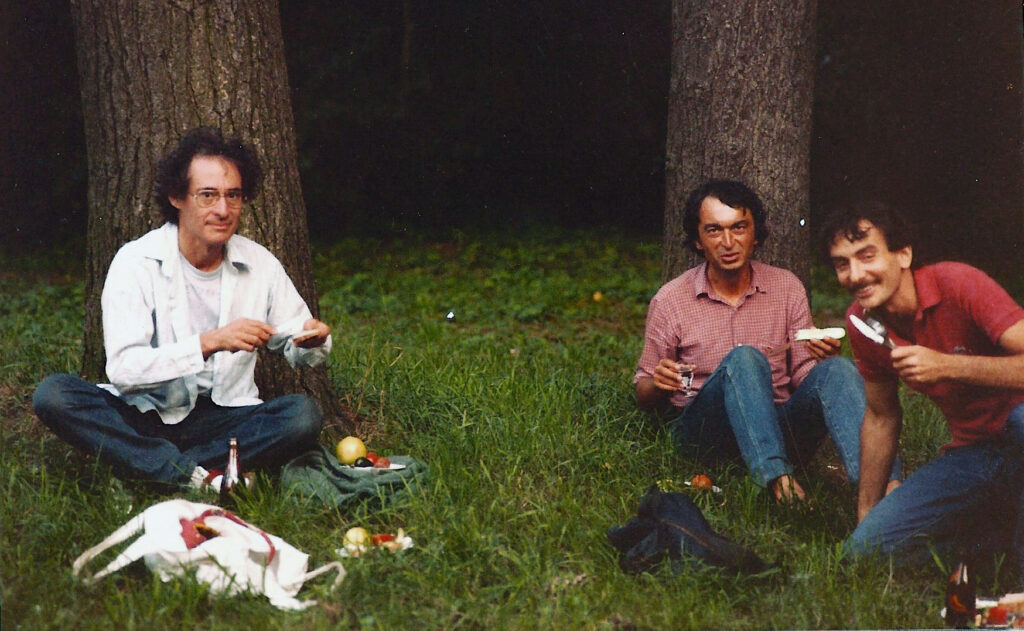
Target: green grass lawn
pixel 521 405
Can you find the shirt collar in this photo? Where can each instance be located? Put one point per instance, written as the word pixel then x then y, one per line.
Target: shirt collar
pixel 234 254
pixel 167 251
pixel 928 294
pixel 701 285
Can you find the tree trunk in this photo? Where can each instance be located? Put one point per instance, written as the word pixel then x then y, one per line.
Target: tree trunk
pixel 740 98
pixel 151 71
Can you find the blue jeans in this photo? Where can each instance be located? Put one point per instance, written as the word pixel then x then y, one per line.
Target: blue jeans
pixel 734 414
pixel 142 446
pixel 970 499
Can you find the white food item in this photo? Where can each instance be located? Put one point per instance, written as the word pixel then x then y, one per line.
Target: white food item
pixel 1014 602
pixel 835 332
pixel 304 334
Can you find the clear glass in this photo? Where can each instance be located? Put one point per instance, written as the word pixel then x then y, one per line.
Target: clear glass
pixel 686 374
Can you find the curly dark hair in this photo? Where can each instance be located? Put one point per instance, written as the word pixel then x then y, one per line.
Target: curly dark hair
pixel 844 222
pixel 731 193
pixel 172 170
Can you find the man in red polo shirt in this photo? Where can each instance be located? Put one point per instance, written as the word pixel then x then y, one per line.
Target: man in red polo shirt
pixel 720 353
pixel 959 339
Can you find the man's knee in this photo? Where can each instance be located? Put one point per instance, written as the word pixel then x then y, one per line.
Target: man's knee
pixel 746 360
pixel 52 396
pixel 837 382
pixel 747 356
pixel 858 546
pixel 305 419
pixel 875 534
pixel 840 367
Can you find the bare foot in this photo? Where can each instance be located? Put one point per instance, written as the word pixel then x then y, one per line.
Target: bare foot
pixel 786 489
pixel 892 486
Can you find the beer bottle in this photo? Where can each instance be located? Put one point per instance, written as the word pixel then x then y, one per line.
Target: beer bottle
pixel 232 481
pixel 960 605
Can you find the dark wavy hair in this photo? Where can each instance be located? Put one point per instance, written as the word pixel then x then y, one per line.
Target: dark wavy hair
pixel 172 170
pixel 844 222
pixel 731 193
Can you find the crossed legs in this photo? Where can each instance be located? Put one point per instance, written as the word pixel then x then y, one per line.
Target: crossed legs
pixel 142 446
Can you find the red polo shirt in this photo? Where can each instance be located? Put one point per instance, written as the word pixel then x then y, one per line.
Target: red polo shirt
pixel 960 310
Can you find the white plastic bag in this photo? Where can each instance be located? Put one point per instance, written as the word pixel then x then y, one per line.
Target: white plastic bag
pixel 229 554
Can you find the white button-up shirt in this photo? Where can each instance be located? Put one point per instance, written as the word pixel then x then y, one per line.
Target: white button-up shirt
pixel 153 353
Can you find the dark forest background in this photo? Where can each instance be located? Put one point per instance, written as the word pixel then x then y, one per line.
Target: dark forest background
pixel 417 116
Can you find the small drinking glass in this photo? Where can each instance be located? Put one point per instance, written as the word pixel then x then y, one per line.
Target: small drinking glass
pixel 686 375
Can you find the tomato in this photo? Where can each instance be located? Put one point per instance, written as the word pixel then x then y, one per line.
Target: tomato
pixel 383 537
pixel 372 457
pixel 382 462
pixel 701 481
pixel 996 615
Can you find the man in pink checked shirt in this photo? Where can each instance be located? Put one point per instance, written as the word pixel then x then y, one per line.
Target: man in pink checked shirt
pixel 760 394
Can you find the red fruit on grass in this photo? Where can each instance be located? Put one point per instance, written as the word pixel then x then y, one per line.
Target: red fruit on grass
pixel 996 615
pixel 701 481
pixel 382 538
pixel 382 462
pixel 372 457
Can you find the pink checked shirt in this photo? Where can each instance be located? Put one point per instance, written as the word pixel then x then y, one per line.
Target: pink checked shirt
pixel 689 323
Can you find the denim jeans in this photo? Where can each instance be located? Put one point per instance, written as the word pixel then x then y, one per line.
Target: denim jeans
pixel 142 446
pixel 734 414
pixel 969 499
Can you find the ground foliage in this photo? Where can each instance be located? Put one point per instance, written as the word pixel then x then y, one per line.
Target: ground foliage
pixel 520 402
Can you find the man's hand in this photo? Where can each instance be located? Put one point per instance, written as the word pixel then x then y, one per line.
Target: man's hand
pixel 920 365
pixel 318 338
pixel 824 348
pixel 652 393
pixel 668 375
pixel 242 334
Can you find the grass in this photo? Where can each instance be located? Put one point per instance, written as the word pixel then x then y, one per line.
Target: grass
pixel 523 408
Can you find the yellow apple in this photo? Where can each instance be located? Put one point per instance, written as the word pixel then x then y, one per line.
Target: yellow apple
pixel 349 449
pixel 357 536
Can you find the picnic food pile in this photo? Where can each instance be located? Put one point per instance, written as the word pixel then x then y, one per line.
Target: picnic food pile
pixel 352 451
pixel 1007 612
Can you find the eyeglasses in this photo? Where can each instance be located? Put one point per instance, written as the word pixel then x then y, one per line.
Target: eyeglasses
pixel 209 198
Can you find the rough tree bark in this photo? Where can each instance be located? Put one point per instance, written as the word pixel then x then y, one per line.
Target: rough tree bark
pixel 740 98
pixel 151 70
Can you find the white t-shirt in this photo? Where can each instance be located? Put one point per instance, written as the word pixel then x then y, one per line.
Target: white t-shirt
pixel 203 292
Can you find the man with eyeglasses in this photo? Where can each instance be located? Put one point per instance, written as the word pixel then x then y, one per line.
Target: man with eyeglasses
pixel 185 308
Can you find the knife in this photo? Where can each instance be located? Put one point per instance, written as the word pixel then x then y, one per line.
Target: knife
pixel 870 333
